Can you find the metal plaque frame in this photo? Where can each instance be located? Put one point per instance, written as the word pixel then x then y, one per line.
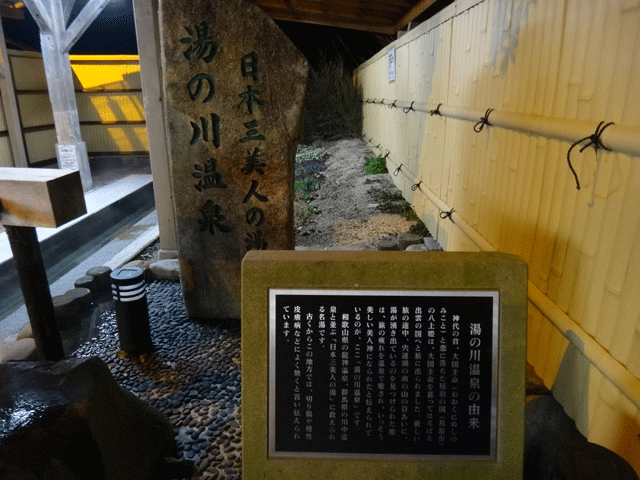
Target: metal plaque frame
pixel 275 292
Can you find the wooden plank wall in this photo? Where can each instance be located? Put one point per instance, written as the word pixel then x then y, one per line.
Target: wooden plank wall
pixel 556 59
pixel 109 99
pixel 6 157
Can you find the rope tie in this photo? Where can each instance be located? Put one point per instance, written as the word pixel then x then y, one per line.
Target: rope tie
pixel 436 111
pixel 448 214
pixel 377 146
pixel 483 121
pixel 393 105
pixel 381 102
pixel 594 141
pixel 416 186
pixel 409 108
pixel 397 171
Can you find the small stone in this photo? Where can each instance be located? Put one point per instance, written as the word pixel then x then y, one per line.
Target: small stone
pixel 432 244
pixel 65 307
pixel 17 351
pixel 168 269
pixel 416 248
pixel 406 239
pixel 86 281
pixel 26 332
pixel 387 244
pixel 83 298
pixel 102 277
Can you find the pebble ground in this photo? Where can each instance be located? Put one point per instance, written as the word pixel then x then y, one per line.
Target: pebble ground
pixel 193 378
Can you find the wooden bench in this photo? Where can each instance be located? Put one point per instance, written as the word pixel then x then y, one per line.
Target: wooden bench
pixel 30 198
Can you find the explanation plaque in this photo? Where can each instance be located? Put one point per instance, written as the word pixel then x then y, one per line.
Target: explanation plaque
pixel 378 365
pixel 382 374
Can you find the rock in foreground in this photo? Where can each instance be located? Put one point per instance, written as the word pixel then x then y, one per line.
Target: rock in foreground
pixel 71 420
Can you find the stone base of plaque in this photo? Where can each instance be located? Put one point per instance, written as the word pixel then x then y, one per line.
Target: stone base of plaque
pixel 378 365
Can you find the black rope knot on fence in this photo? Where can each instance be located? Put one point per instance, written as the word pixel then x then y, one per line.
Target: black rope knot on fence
pixel 409 108
pixel 416 186
pixel 381 102
pixel 393 105
pixel 448 214
pixel 483 121
pixel 436 111
pixel 377 146
pixel 594 141
pixel 397 170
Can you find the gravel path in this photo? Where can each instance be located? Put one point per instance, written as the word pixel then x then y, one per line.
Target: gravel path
pixel 347 210
pixel 193 379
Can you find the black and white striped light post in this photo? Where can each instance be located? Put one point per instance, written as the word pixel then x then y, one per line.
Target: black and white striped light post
pixel 132 316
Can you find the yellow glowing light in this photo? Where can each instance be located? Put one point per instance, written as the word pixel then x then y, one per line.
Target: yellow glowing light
pixel 106 72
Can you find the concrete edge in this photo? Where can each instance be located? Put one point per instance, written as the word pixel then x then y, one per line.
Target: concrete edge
pixel 134 248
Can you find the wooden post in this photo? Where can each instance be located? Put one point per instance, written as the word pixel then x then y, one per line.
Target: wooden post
pixel 146 17
pixel 35 289
pixel 32 198
pixel 55 41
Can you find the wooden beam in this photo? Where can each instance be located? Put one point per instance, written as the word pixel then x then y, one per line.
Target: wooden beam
pixel 416 10
pixel 39 14
pixel 334 21
pixel 88 14
pixel 38 197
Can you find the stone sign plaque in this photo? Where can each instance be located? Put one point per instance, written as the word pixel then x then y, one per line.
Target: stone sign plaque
pixel 382 374
pixel 378 365
pixel 234 86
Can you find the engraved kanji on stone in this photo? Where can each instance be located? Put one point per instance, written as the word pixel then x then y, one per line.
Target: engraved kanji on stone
pixel 252 132
pixel 208 175
pixel 203 131
pixel 202 46
pixel 194 87
pixel 255 241
pixel 249 97
pixel 253 192
pixel 250 65
pixel 254 214
pixel 212 218
pixel 253 163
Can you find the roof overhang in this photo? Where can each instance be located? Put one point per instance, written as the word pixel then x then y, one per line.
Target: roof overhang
pixel 379 16
pixel 12 9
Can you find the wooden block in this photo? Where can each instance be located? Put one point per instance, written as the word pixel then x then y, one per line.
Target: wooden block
pixel 39 197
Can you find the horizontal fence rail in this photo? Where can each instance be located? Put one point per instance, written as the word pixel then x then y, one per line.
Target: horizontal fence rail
pixel 613 370
pixel 615 137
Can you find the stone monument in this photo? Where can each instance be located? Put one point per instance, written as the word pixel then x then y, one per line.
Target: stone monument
pixel 234 86
pixel 377 365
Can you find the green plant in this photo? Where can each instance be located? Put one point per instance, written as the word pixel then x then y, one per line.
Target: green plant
pixel 375 165
pixel 333 105
pixel 305 187
pixel 307 153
